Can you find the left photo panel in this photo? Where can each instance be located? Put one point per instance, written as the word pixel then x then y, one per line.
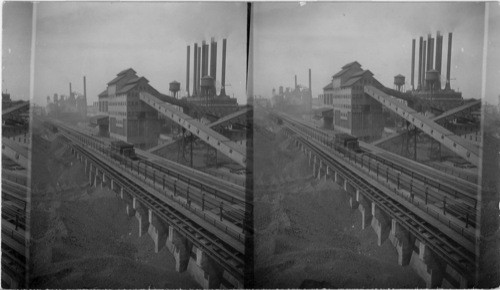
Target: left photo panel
pixel 124 146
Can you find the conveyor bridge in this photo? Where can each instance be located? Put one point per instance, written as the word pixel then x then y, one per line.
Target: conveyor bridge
pixel 214 139
pixel 460 146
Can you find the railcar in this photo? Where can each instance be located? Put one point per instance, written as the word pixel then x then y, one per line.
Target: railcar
pixel 121 148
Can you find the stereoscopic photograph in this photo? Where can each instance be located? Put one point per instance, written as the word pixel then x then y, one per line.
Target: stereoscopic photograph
pixel 260 145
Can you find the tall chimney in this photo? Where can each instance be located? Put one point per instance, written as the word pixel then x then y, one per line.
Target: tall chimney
pixel 203 59
pixel 420 46
pixel 413 64
pixel 195 70
pixel 204 67
pixel 69 89
pixel 448 65
pixel 428 56
pixel 187 70
pixel 439 52
pixel 424 67
pixel 198 73
pixel 295 82
pixel 431 55
pixel 223 75
pixel 213 65
pixel 310 91
pixel 213 60
pixel 85 95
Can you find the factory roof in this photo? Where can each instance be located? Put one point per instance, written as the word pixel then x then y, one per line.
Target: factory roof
pixel 351 64
pixel 356 77
pixel 328 87
pixel 131 85
pixel 361 73
pixel 121 75
pixel 125 71
pixel 351 81
pixel 103 94
pixel 343 71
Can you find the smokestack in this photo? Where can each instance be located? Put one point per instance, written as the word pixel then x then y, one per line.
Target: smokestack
pixel 223 76
pixel 295 82
pixel 213 60
pixel 203 59
pixel 69 89
pixel 424 67
pixel 204 68
pixel 429 54
pixel 195 70
pixel 413 64
pixel 310 91
pixel 420 46
pixel 448 65
pixel 198 73
pixel 439 52
pixel 432 54
pixel 187 70
pixel 85 95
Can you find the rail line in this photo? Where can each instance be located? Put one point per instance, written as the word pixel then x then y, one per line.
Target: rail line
pixel 207 237
pixel 453 248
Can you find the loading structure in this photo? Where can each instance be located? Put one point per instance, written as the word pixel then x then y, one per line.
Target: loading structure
pixel 214 139
pixel 458 145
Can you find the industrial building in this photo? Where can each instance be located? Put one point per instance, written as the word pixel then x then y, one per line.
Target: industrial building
pixel 352 111
pixel 74 103
pixel 204 90
pixel 428 93
pixel 298 99
pixel 130 119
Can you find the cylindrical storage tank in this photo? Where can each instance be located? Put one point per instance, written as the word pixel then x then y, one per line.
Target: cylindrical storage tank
pixel 207 82
pixel 174 86
pixel 399 80
pixel 432 75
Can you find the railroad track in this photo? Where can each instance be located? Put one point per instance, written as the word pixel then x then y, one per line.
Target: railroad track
pixel 225 253
pixel 460 254
pixel 461 204
pixel 229 203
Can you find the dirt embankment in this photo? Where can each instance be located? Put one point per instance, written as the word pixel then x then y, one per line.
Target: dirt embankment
pixel 81 236
pixel 306 234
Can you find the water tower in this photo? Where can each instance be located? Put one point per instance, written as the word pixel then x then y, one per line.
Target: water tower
pixel 174 88
pixel 399 82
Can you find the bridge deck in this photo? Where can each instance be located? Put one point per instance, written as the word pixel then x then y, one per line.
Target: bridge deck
pixel 18 153
pixel 461 147
pixel 15 108
pixel 214 139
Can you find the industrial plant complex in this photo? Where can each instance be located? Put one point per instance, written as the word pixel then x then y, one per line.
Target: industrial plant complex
pixel 152 171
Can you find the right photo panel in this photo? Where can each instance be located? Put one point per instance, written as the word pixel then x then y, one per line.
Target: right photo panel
pixel 373 125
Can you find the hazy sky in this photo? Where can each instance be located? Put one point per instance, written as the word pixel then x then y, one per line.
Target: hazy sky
pixel 101 39
pixel 16 49
pixel 493 55
pixel 290 38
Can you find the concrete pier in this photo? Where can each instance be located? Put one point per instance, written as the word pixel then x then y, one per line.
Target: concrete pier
pixel 180 247
pixel 157 231
pixel 427 265
pixel 380 224
pixel 365 210
pixel 142 216
pixel 203 270
pixel 403 241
